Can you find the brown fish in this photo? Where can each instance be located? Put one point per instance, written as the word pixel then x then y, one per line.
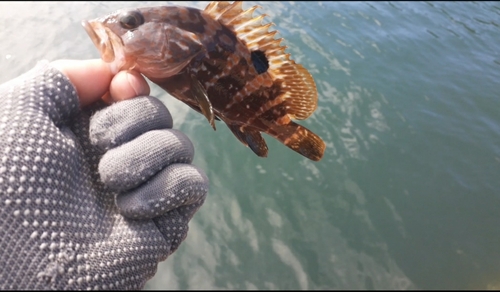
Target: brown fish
pixel 222 62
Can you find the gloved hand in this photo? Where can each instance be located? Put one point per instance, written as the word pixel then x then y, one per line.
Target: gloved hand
pixel 81 211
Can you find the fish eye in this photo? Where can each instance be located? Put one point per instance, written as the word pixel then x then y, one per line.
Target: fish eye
pixel 131 19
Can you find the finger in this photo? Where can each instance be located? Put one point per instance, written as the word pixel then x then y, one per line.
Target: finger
pixel 128 84
pixel 178 185
pixel 174 224
pixel 93 79
pixel 173 227
pixel 129 165
pixel 125 120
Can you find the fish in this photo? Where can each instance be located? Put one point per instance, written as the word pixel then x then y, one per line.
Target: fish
pixel 223 62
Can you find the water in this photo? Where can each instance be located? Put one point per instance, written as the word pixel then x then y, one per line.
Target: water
pixel 407 194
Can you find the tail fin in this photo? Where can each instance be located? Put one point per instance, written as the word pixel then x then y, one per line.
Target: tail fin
pixel 299 139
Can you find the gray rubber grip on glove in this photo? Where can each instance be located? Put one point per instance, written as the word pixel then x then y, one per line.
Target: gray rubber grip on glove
pixel 60 226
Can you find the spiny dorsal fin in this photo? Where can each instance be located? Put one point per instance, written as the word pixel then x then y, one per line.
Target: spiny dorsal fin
pixel 298 87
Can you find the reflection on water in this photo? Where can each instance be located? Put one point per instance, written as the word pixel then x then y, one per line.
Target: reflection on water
pixel 406 195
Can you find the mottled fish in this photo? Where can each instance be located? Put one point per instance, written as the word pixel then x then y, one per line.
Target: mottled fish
pixel 222 62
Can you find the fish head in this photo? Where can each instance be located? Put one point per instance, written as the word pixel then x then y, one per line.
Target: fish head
pixel 145 39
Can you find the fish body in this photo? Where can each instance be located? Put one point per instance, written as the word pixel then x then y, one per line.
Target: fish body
pixel 220 61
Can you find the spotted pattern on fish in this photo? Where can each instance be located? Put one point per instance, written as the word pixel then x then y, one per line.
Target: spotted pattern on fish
pixel 222 62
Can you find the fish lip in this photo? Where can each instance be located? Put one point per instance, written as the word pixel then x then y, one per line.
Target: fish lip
pixel 100 37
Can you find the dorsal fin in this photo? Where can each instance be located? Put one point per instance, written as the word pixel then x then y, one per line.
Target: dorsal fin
pixel 297 84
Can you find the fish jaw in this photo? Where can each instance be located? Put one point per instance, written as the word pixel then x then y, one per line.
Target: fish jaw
pixel 110 45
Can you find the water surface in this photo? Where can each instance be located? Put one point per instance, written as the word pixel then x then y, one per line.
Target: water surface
pixel 408 193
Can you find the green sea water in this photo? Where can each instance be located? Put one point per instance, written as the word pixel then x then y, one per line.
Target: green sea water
pixel 407 195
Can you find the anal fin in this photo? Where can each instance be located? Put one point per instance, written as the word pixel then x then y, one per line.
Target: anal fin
pixel 252 139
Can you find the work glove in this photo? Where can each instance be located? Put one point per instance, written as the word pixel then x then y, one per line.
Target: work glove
pixel 89 199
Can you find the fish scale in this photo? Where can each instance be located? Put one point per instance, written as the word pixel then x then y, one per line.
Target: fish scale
pixel 222 62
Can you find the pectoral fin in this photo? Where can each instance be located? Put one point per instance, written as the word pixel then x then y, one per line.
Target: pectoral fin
pixel 197 108
pixel 189 90
pixel 200 94
pixel 252 139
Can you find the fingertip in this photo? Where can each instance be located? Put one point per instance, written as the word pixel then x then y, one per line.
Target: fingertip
pixel 128 84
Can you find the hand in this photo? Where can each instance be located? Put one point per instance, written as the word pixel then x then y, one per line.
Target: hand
pixel 82 211
pixel 93 78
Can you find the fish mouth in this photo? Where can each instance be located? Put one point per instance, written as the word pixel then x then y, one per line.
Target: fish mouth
pixel 109 44
pixel 101 39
